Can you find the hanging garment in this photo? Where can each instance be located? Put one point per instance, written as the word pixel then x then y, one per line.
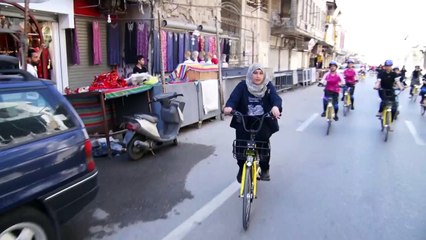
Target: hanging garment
pixel 181 48
pixel 206 44
pixel 164 48
pixel 201 43
pixel 130 44
pixel 142 40
pixel 114 44
pixel 212 45
pixel 175 50
pixel 170 53
pixel 187 42
pixel 226 47
pixel 97 48
pixel 156 53
pixel 75 54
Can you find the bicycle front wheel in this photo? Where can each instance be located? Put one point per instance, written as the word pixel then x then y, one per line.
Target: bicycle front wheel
pixel 388 125
pixel 247 198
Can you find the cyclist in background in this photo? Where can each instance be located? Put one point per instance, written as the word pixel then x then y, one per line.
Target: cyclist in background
pixel 415 79
pixel 332 81
pixel 422 92
pixel 386 81
pixel 254 97
pixel 350 77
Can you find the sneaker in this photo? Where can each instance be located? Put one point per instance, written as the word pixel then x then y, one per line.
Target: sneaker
pixel 264 175
pixel 239 175
pixel 336 118
pixel 352 107
pixel 323 114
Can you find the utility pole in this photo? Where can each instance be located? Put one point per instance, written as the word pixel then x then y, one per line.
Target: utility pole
pixel 24 37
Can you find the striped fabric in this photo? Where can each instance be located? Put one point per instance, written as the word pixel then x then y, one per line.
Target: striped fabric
pixel 182 69
pixel 90 111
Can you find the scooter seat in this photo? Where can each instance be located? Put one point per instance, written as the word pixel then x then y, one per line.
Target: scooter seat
pixel 147 117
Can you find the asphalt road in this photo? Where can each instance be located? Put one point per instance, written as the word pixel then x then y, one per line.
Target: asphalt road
pixel 348 185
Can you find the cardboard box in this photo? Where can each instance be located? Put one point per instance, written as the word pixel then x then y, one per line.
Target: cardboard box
pixel 194 75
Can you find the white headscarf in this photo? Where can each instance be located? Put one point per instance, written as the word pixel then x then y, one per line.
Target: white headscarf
pixel 257 90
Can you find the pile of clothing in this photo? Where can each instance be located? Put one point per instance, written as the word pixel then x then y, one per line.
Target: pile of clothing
pixel 107 81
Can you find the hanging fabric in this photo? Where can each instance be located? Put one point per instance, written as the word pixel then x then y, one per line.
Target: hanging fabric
pixel 142 40
pixel 75 54
pixel 170 45
pixel 175 50
pixel 114 44
pixel 201 43
pixel 181 48
pixel 164 48
pixel 97 48
pixel 212 45
pixel 187 42
pixel 206 44
pixel 156 52
pixel 130 44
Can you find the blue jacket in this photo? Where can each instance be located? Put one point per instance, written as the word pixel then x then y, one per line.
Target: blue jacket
pixel 239 101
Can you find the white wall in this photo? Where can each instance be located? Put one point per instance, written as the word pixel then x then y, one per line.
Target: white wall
pixel 273 59
pixel 63 7
pixel 296 60
pixel 284 59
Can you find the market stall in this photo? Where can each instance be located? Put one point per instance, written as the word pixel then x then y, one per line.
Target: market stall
pixel 199 85
pixel 103 105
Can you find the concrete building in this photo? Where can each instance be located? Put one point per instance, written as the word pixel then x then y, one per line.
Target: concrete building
pixel 304 33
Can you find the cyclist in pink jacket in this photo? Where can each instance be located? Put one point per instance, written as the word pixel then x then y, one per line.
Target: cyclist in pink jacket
pixel 350 76
pixel 332 81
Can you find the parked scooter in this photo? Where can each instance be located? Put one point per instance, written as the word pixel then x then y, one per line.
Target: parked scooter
pixel 147 132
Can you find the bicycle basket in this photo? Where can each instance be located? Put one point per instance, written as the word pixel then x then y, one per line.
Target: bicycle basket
pixel 240 147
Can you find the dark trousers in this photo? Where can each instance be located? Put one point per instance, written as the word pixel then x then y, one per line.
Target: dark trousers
pixel 263 135
pixel 351 92
pixel 335 96
pixel 385 98
pixel 413 83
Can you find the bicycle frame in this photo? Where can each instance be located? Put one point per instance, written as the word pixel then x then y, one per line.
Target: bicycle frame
pixel 329 113
pixel 387 110
pixel 347 98
pixel 251 163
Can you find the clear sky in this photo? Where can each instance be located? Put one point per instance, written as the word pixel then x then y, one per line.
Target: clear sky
pixel 377 28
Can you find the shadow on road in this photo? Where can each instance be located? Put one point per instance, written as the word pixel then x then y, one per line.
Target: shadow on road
pixel 144 190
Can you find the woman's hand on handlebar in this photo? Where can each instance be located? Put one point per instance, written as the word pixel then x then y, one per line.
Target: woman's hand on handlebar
pixel 276 112
pixel 227 110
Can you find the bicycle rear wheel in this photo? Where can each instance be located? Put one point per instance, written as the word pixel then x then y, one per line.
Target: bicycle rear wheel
pixel 247 198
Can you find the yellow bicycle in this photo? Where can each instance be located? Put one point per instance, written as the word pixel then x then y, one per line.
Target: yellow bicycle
pixel 252 151
pixel 386 119
pixel 415 92
pixel 347 100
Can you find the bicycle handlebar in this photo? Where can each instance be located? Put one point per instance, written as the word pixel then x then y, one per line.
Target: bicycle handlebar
pixel 262 118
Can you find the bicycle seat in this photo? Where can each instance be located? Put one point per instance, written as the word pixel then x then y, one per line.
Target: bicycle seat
pixel 147 117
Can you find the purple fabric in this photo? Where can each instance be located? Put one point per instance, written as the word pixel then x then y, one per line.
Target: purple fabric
pixel 163 40
pixel 97 48
pixel 114 44
pixel 142 40
pixel 76 49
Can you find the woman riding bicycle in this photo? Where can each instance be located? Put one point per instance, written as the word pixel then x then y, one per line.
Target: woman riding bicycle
pixel 350 76
pixel 332 81
pixel 254 97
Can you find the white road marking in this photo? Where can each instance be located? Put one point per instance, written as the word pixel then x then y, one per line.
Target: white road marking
pixel 184 228
pixel 306 123
pixel 414 133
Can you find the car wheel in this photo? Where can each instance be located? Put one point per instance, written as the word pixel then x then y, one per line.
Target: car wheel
pixel 26 223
